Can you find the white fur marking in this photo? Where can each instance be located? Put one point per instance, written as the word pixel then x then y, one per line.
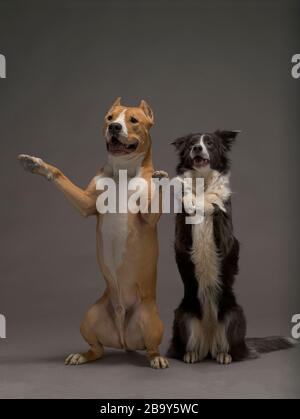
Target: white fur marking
pixel 224 358
pixel 208 334
pixel 159 362
pixel 114 236
pixel 115 226
pixel 131 163
pixel 205 153
pixel 204 256
pixel 191 357
pixel 121 120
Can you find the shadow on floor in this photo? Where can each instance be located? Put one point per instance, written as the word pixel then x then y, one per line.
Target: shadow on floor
pixel 109 358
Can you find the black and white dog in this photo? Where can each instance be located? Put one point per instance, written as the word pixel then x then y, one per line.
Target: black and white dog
pixel 209 322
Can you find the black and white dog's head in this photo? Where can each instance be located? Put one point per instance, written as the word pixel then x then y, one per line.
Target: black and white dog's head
pixel 205 151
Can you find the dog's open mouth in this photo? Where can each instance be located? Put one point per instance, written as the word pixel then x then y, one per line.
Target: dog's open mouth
pixel 199 161
pixel 115 146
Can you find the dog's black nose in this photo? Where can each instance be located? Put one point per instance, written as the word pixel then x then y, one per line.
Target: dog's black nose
pixel 197 148
pixel 115 128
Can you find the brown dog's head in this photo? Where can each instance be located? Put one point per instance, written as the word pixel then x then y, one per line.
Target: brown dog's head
pixel 126 129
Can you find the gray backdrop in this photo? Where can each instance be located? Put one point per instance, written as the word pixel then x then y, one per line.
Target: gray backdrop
pixel 201 65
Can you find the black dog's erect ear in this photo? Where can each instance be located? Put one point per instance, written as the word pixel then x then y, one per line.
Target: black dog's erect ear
pixel 228 137
pixel 179 142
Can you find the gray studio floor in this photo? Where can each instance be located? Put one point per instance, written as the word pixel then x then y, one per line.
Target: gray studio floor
pixel 34 368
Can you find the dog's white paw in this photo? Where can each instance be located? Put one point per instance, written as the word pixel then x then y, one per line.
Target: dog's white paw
pixel 224 358
pixel 159 174
pixel 75 359
pixel 191 357
pixel 159 362
pixel 30 163
pixel 35 165
pixel 189 203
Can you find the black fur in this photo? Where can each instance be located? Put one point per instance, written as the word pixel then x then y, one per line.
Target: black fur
pixel 218 144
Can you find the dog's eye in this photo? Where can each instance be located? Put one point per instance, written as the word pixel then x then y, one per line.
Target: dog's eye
pixel 109 117
pixel 133 120
pixel 208 142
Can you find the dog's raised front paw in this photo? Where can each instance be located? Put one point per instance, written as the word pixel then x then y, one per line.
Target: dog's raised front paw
pixel 189 203
pixel 35 165
pixel 159 174
pixel 30 163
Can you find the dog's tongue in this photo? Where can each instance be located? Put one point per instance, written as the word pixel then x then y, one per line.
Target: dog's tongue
pixel 116 145
pixel 119 146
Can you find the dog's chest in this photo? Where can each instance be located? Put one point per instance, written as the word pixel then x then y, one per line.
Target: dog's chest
pixel 204 255
pixel 207 334
pixel 114 233
pixel 116 230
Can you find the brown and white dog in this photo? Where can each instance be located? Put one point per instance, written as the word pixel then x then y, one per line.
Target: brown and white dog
pixel 126 315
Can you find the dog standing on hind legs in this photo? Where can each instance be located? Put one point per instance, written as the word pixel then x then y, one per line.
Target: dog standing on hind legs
pixel 126 316
pixel 208 321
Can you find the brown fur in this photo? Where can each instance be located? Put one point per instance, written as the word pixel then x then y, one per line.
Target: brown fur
pixel 126 315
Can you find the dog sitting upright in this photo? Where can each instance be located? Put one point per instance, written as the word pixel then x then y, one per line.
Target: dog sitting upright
pixel 126 315
pixel 209 322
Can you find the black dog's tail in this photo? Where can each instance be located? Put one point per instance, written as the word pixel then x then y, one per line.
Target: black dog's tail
pixel 268 344
pixel 252 349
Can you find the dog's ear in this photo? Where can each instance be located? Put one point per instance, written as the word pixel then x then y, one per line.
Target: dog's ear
pixel 180 142
pixel 227 137
pixel 147 111
pixel 117 102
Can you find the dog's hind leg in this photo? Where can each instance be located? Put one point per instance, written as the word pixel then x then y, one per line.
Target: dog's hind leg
pixel 152 331
pixel 98 329
pixel 95 352
pixel 177 347
pixel 235 329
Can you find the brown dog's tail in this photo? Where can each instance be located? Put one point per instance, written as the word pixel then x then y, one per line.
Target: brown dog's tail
pixel 269 344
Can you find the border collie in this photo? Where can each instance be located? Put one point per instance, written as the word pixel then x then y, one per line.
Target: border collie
pixel 208 321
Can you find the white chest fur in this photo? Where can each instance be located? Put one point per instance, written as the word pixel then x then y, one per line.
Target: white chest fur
pixel 205 257
pixel 114 238
pixel 208 334
pixel 204 251
pixel 114 229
